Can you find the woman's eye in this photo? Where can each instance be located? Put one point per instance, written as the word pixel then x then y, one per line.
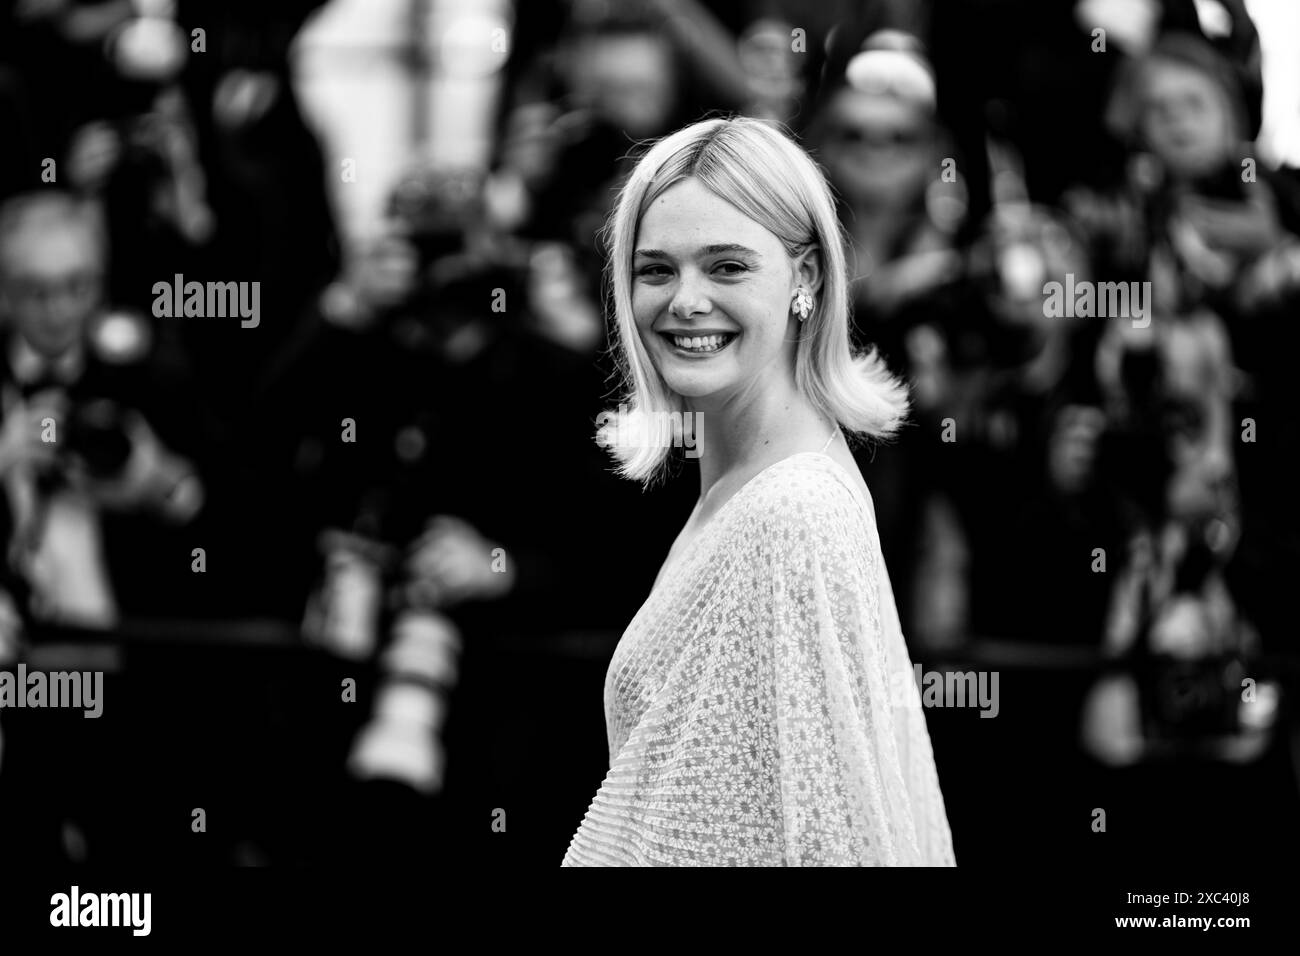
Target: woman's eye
pixel 652 272
pixel 731 268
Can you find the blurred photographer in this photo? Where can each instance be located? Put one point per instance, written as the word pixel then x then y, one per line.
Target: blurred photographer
pixel 1198 215
pixel 77 444
pixel 1167 457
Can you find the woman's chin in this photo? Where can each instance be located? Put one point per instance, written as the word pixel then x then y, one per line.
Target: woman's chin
pixel 694 386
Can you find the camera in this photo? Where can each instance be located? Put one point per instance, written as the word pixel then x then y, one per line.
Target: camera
pixel 96 433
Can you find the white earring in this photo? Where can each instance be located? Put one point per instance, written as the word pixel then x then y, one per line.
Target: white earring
pixel 803 303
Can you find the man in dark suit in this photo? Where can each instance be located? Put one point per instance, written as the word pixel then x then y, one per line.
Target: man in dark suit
pixel 82 409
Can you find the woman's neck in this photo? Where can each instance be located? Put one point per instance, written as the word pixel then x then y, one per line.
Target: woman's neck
pixel 743 435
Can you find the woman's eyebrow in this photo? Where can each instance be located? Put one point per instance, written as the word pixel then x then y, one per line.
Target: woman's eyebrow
pixel 707 251
pixel 729 247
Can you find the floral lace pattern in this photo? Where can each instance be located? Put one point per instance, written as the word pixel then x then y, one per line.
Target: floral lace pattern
pixel 761 707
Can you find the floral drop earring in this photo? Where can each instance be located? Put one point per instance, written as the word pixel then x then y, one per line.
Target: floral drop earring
pixel 803 304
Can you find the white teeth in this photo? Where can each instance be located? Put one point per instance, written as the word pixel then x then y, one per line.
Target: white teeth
pixel 700 343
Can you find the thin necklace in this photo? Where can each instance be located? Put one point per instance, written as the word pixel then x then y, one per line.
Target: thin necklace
pixel 829 440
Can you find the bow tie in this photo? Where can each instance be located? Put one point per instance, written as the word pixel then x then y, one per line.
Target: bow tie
pixel 40 384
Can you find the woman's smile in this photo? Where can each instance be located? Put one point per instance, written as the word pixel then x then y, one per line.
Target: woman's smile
pixel 695 344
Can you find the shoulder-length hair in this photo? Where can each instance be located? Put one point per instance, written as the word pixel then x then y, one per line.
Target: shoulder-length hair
pixel 754 166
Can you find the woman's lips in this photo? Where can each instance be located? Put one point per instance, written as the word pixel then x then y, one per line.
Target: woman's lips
pixel 709 344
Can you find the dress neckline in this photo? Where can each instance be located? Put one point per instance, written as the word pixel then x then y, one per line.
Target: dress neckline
pixel 666 571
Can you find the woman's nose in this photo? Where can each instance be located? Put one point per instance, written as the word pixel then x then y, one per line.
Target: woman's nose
pixel 690 298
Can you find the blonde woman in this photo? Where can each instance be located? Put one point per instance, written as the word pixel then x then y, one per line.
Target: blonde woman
pixel 761 708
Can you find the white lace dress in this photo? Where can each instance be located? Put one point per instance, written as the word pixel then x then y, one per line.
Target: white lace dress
pixel 761 706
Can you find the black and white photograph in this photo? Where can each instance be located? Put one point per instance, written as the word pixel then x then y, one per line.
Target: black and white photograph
pixel 442 441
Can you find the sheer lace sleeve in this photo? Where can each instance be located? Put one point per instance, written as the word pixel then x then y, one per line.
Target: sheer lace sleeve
pixel 784 726
pixel 845 742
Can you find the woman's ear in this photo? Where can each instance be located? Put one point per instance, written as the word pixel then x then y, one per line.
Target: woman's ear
pixel 808 269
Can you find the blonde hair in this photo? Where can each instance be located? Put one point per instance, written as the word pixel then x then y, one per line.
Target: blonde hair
pixel 754 166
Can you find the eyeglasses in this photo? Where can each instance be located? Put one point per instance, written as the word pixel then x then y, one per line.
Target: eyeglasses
pixel 877 138
pixel 32 290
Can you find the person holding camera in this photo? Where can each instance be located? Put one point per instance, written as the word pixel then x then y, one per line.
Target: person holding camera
pixel 79 442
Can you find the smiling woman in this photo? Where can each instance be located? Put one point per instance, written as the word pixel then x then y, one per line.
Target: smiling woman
pixel 748 704
pixel 725 260
pixel 720 227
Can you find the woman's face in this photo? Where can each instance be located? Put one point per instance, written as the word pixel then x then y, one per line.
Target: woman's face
pixel 711 295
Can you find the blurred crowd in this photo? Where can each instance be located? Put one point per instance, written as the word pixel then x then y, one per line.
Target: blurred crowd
pixel 398 461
